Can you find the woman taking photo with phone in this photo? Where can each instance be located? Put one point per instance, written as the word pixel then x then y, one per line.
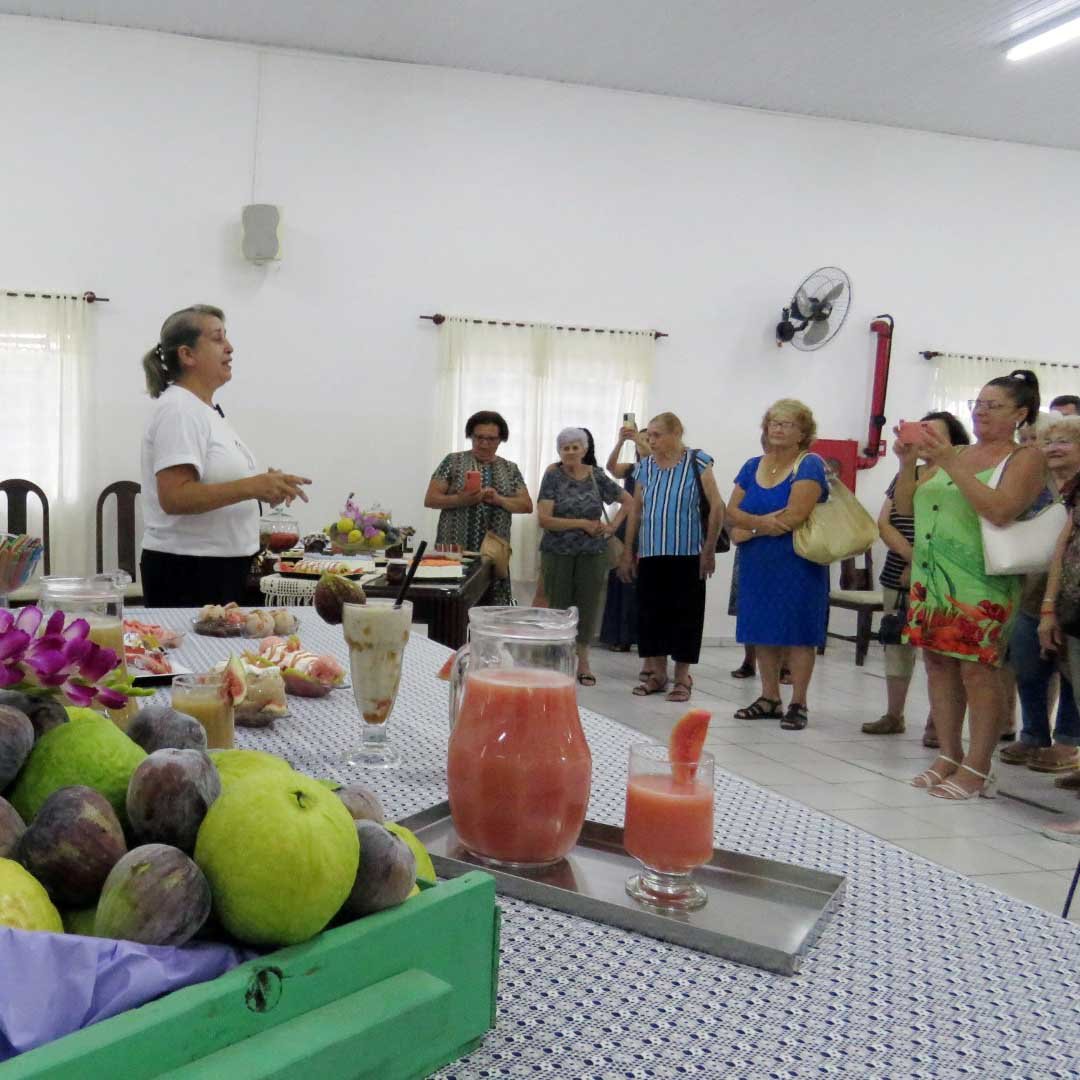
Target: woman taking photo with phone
pixel 961 616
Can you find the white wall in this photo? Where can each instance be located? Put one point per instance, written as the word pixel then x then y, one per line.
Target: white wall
pixel 408 190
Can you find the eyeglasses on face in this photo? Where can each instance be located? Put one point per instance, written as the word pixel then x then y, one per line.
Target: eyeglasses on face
pixel 1060 444
pixel 485 438
pixel 783 425
pixel 978 405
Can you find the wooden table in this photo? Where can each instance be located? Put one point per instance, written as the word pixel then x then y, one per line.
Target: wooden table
pixel 444 605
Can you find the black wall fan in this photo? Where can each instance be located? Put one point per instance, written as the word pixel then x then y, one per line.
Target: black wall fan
pixel 817 311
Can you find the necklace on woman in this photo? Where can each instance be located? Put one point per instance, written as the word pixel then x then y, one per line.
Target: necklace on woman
pixel 774 469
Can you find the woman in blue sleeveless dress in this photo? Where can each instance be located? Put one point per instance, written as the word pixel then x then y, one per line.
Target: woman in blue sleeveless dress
pixel 783 598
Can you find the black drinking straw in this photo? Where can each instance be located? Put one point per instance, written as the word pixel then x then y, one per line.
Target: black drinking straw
pixel 410 573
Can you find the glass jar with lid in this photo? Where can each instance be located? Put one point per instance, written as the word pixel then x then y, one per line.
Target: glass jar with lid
pixel 278 531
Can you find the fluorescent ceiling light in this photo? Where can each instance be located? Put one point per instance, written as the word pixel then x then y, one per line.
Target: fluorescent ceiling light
pixel 1057 33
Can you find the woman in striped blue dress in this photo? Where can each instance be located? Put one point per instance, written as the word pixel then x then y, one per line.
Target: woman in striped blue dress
pixel 676 533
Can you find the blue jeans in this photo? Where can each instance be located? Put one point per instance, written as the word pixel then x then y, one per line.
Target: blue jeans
pixel 1034 676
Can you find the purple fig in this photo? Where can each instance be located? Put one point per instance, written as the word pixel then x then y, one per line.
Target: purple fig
pixel 16 742
pixel 157 727
pixel 11 828
pixel 168 796
pixel 385 875
pixel 154 895
pixel 71 845
pixel 361 802
pixel 45 713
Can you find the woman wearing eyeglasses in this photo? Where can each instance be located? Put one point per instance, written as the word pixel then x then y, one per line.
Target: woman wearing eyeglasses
pixel 783 598
pixel 959 615
pixel 477 491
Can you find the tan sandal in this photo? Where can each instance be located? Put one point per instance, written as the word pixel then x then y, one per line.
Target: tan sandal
pixel 651 684
pixel 680 691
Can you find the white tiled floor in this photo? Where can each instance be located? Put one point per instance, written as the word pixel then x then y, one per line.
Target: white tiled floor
pixel 863 779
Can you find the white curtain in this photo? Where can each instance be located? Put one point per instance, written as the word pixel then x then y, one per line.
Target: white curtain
pixel 958 378
pixel 542 379
pixel 45 436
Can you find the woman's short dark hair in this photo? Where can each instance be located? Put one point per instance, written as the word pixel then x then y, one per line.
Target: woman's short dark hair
pixel 161 365
pixel 958 435
pixel 486 416
pixel 1023 387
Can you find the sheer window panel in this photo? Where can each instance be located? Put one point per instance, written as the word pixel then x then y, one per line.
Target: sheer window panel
pixel 45 345
pixel 542 379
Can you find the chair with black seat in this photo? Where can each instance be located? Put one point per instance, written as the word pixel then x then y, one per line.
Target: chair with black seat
pixel 126 492
pixel 857 593
pixel 17 492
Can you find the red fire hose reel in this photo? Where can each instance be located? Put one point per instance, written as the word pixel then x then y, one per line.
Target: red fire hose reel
pixel 843 454
pixel 875 445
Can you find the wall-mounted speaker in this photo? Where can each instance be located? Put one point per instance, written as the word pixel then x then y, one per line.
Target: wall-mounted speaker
pixel 261 242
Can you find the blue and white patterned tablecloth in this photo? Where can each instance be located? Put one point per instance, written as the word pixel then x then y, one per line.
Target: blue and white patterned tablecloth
pixel 920 973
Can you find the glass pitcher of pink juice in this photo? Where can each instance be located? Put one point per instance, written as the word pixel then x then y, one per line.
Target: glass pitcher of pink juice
pixel 519 768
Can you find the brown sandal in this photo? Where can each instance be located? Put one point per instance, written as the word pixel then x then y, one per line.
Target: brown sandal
pixel 652 684
pixel 680 691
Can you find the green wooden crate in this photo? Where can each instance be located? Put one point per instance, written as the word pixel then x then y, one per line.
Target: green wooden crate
pixel 388 997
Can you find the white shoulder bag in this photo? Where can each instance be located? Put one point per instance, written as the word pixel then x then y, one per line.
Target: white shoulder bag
pixel 1021 547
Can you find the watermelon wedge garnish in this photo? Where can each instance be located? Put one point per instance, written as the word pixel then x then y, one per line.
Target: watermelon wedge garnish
pixel 685 745
pixel 444 671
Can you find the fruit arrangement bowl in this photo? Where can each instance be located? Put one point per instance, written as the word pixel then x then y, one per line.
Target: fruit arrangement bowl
pixel 358 530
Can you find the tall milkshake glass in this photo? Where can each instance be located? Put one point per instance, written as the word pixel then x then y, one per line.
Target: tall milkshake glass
pixel 376 633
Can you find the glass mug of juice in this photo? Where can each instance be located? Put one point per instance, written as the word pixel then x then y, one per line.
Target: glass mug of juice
pixel 206 698
pixel 100 601
pixel 518 767
pixel 668 826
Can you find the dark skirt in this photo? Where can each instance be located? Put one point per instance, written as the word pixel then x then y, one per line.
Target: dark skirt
pixel 192 580
pixel 671 607
pixel 620 623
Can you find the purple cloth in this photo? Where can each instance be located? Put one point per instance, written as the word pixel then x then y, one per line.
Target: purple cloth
pixel 54 984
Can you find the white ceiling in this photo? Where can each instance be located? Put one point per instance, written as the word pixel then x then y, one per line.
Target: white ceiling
pixel 936 65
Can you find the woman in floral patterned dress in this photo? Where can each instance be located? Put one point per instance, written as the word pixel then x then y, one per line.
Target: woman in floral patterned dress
pixel 959 615
pixel 465 516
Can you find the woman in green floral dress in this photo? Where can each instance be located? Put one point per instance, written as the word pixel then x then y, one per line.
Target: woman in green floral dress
pixel 958 614
pixel 465 516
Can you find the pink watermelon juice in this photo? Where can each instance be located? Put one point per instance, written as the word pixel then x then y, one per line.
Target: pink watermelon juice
pixel 519 768
pixel 669 822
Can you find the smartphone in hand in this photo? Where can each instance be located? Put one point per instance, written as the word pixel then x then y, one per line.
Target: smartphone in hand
pixel 629 418
pixel 912 432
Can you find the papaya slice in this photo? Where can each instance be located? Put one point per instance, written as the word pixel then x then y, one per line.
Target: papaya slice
pixel 444 671
pixel 685 744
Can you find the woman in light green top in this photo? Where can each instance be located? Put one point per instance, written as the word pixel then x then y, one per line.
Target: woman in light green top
pixel 960 615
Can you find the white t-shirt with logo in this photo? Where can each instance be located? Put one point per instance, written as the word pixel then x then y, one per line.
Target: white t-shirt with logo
pixel 184 430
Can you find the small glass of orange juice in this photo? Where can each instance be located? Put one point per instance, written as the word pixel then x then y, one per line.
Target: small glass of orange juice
pixel 206 699
pixel 668 826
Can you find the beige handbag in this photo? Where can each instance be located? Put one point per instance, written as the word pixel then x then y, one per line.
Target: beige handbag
pixel 836 529
pixel 497 549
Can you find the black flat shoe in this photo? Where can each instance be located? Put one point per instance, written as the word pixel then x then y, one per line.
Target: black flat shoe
pixel 744 671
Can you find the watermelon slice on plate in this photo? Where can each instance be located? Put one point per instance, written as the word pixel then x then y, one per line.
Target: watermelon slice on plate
pixel 685 744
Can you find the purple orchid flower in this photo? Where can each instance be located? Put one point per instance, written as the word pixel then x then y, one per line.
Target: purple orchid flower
pixel 60 659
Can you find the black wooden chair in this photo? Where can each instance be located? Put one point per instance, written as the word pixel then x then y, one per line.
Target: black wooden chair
pixel 126 492
pixel 17 492
pixel 857 593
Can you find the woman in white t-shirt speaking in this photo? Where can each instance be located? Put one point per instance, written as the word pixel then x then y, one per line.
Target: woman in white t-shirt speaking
pixel 200 483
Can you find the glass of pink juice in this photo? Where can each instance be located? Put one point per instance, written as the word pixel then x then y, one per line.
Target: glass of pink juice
pixel 668 826
pixel 519 768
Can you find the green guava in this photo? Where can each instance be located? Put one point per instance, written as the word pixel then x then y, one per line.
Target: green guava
pixel 24 903
pixel 280 852
pixel 237 765
pixel 91 750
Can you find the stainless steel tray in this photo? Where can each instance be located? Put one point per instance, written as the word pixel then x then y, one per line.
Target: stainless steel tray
pixel 763 913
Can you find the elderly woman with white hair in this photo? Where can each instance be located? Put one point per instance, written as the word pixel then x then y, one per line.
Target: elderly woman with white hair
pixel 573 553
